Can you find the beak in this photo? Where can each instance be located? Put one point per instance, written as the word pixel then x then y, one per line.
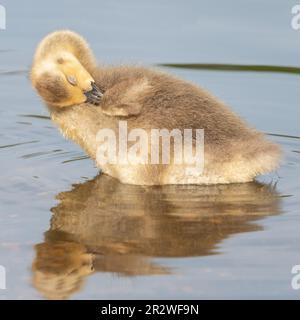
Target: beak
pixel 93 96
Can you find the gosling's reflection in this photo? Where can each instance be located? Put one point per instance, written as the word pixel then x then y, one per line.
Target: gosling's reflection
pixel 103 225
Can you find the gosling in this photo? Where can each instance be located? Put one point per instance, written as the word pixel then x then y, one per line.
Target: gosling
pixel 84 98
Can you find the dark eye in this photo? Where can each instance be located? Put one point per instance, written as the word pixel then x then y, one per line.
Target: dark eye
pixel 72 80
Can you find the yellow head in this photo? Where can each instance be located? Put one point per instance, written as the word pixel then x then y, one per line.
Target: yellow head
pixel 59 76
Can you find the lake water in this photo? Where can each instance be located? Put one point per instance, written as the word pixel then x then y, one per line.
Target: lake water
pixel 67 232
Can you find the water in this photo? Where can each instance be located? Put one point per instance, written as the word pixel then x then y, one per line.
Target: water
pixel 67 232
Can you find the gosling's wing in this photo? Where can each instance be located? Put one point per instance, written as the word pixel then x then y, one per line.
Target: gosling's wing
pixel 125 98
pixel 123 110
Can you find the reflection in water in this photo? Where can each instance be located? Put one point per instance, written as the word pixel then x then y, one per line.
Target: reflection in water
pixel 105 226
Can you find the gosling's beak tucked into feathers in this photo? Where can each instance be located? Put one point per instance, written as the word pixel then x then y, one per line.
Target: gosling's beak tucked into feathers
pixel 93 96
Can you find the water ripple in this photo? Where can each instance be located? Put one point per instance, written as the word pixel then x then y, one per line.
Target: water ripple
pixel 282 135
pixel 36 116
pixel 233 67
pixel 13 72
pixel 18 144
pixel 78 158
